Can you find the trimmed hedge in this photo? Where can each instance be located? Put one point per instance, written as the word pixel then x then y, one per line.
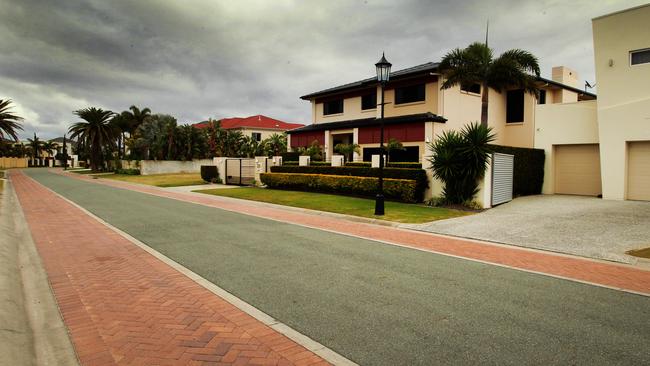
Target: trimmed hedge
pixel 528 170
pixel 209 173
pixel 406 165
pixel 396 189
pixel 418 175
pixel 290 156
pixel 128 171
pixel 290 163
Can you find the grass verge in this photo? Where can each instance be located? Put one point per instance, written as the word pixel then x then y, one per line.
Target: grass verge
pixel 159 180
pixel 395 211
pixel 641 253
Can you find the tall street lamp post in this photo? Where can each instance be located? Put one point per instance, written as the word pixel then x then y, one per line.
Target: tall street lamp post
pixel 65 154
pixel 383 74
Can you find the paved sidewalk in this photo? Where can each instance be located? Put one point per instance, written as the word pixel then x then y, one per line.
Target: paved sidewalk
pixel 124 306
pixel 613 275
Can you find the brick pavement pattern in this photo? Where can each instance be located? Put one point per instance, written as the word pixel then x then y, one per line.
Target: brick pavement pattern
pixel 123 306
pixel 581 269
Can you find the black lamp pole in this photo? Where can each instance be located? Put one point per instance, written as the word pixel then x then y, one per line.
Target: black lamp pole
pixel 65 154
pixel 383 74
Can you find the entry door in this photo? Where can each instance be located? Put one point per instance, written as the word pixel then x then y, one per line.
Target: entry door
pixel 577 169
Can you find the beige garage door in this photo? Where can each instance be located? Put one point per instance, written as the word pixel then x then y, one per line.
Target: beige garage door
pixel 638 170
pixel 577 169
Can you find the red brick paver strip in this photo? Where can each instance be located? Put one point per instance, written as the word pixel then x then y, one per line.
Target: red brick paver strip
pixel 123 306
pixel 612 275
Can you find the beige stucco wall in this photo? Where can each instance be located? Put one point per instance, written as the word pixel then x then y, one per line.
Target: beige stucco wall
pixel 430 103
pixel 519 134
pixel 265 133
pixel 558 124
pixel 623 92
pixel 352 106
pixel 351 110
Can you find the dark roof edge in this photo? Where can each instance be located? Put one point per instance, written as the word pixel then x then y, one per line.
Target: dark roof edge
pixel 428 67
pixel 365 122
pixel 567 87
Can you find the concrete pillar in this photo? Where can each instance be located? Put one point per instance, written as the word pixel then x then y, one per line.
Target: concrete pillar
pixel 355 140
pixel 328 149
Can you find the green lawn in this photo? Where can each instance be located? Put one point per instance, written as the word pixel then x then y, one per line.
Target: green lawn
pixel 643 253
pixel 83 171
pixel 159 180
pixel 395 211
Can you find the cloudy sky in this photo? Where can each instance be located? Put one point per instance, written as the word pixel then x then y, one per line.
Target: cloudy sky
pixel 196 59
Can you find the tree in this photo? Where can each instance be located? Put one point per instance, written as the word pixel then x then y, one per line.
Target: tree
pixel 213 132
pixel 459 160
pixel 393 145
pixel 275 144
pixel 122 124
pixel 476 65
pixel 191 142
pixel 136 117
pixel 347 150
pixel 35 145
pixel 9 122
pixel 96 132
pixel 314 151
pixel 48 146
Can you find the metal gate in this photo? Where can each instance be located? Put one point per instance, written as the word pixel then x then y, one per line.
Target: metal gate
pixel 240 171
pixel 502 178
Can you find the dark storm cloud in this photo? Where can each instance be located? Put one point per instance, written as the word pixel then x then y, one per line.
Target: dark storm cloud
pixel 205 58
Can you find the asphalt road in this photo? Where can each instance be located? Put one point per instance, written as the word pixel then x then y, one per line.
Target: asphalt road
pixel 379 304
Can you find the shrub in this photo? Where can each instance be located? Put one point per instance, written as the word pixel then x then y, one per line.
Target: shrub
pixel 209 173
pixel 528 170
pixel 320 163
pixel 418 175
pixel 406 165
pixel 459 160
pixel 289 163
pixel 128 171
pixel 396 189
pixel 290 156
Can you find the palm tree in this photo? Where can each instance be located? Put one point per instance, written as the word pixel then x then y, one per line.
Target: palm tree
pixel 347 150
pixel 9 122
pixel 276 143
pixel 35 144
pixel 96 131
pixel 476 65
pixel 122 124
pixel 393 145
pixel 459 159
pixel 137 116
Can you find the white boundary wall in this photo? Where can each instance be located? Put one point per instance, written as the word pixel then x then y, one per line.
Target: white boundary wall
pixel 149 167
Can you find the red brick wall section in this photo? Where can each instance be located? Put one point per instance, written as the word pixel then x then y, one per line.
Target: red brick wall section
pixel 303 139
pixel 407 132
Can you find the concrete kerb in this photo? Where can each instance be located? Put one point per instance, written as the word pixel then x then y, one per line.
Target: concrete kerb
pixel 301 339
pixel 50 341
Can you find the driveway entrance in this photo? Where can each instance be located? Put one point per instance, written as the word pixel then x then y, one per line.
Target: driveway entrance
pixel 584 226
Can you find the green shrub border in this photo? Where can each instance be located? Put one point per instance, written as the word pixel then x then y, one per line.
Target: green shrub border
pixel 394 189
pixel 528 170
pixel 418 175
pixel 209 173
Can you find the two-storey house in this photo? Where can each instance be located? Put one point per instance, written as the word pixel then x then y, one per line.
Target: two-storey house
pixel 417 110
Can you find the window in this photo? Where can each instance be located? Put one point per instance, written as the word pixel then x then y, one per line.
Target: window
pixel 257 136
pixel 515 106
pixel 369 101
pixel 542 97
pixel 409 94
pixel 474 88
pixel 640 57
pixel 333 107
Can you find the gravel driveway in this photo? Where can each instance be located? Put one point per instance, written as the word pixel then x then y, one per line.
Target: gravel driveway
pixel 584 226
